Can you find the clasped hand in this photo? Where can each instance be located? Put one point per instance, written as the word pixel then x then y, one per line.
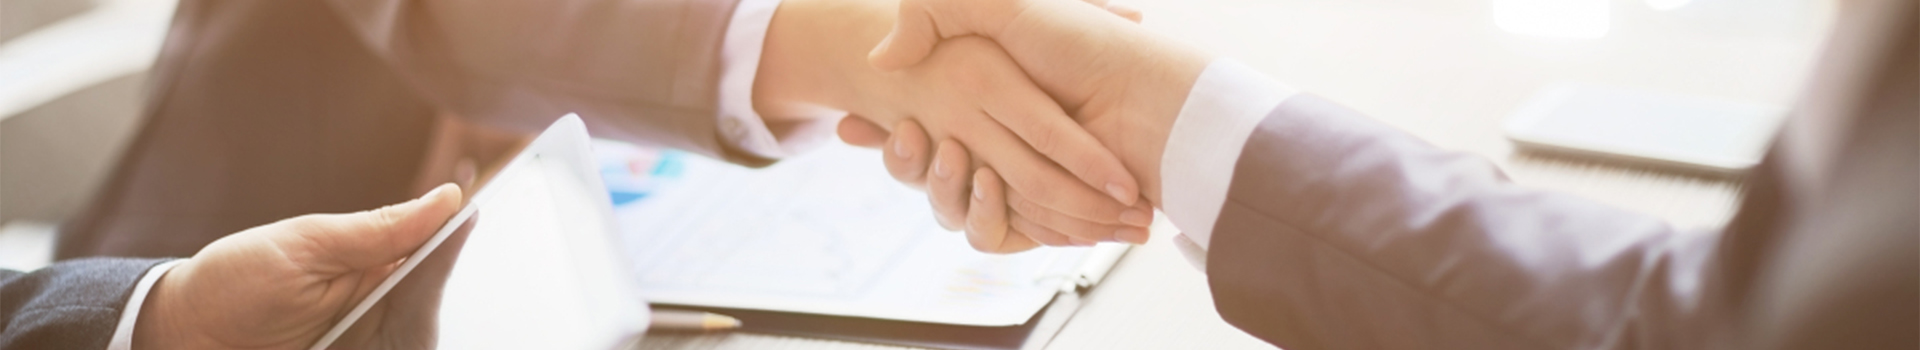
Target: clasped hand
pixel 1122 85
pixel 1012 167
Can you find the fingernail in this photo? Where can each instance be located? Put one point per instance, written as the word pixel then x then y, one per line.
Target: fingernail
pixel 436 190
pixel 1136 217
pixel 1118 193
pixel 882 46
pixel 1131 235
pixel 425 197
pixel 1122 9
pixel 979 193
pixel 940 168
pixel 900 149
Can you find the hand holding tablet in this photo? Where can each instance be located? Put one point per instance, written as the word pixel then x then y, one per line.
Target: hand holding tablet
pixel 283 284
pixel 538 272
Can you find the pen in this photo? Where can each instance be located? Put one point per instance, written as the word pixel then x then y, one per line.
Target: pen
pixel 692 321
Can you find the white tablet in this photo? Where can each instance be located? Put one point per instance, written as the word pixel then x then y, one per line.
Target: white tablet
pixel 535 270
pixel 1647 128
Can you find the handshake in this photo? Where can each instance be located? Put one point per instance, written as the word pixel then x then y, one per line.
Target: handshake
pixel 1028 122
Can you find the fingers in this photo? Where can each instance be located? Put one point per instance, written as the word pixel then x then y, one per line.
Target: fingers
pixel 912 38
pixel 906 154
pixel 1039 234
pixel 1022 161
pixel 1124 11
pixel 949 195
pixel 376 237
pixel 1040 180
pixel 987 227
pixel 1076 228
pixel 948 187
pixel 858 131
pixel 1027 111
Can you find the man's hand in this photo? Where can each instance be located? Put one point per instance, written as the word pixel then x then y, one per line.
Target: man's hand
pixel 283 285
pixel 955 197
pixel 814 63
pixel 1124 84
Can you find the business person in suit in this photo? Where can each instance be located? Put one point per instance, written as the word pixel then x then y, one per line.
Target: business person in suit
pixel 268 110
pixel 1321 229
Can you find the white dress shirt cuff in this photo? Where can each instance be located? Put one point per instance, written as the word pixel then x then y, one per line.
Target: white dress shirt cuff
pixel 123 332
pixel 740 125
pixel 1196 169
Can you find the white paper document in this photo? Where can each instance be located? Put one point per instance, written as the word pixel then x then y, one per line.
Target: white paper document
pixel 828 232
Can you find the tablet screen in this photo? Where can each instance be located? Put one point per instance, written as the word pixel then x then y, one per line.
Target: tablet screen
pixel 531 269
pixel 516 284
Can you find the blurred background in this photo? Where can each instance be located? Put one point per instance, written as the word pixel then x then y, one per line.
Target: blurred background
pixel 72 83
pixel 73 79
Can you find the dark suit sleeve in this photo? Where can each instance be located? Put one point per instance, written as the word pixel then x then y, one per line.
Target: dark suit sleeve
pixel 69 305
pixel 1339 232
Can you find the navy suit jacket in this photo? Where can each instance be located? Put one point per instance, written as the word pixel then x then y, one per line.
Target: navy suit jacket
pixel 70 305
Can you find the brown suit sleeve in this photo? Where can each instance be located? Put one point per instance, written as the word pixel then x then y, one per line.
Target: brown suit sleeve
pixel 644 71
pixel 264 110
pixel 1342 233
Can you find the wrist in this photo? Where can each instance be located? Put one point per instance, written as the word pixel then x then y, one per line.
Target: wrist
pixel 1126 84
pixel 1146 102
pixel 158 326
pixel 813 62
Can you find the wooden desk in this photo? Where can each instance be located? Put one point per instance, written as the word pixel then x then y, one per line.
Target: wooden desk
pixel 1442 70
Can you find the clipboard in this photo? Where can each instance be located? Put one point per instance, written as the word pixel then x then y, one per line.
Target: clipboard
pixel 1036 333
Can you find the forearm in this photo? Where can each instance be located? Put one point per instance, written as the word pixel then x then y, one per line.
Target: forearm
pixel 644 72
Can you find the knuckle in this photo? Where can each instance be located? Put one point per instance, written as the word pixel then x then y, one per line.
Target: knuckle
pixel 385 218
pixel 907 129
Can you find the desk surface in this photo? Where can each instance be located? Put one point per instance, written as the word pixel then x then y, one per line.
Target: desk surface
pixel 1444 71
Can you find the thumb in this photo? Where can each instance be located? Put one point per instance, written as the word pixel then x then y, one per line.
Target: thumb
pixel 376 237
pixel 912 38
